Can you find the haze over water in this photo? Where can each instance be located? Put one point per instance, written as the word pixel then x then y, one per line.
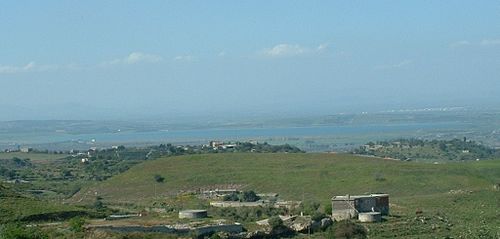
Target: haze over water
pixel 193 59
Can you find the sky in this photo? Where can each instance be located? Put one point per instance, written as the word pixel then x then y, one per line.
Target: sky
pixel 151 59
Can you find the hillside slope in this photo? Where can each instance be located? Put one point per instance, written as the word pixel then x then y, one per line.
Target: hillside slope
pixel 295 176
pixel 452 199
pixel 14 206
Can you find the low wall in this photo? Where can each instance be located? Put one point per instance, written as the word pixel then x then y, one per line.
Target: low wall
pixel 230 228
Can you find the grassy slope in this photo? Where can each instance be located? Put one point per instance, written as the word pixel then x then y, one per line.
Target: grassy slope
pixel 35 157
pixel 413 186
pixel 317 176
pixel 15 206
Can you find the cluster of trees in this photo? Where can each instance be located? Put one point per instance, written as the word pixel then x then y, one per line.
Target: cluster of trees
pixel 245 196
pixel 169 149
pixel 409 149
pixel 9 168
pixel 266 148
pixel 246 214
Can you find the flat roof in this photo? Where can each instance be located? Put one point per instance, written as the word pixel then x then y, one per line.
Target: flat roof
pixel 352 197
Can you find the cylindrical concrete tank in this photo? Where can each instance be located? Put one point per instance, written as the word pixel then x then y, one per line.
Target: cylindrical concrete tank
pixel 193 214
pixel 370 217
pixel 382 203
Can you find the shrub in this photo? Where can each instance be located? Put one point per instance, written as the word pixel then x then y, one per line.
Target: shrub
pixel 159 178
pixel 76 224
pixel 328 209
pixel 231 197
pixel 275 222
pixel 18 231
pixel 308 207
pixel 98 205
pixel 250 196
pixel 348 229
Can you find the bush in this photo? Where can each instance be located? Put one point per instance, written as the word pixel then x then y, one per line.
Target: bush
pixel 98 205
pixel 347 229
pixel 246 214
pixel 76 224
pixel 231 197
pixel 328 209
pixel 275 222
pixel 249 196
pixel 159 178
pixel 308 207
pixel 18 231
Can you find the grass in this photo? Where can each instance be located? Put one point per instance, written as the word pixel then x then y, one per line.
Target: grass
pixel 35 157
pixel 295 176
pixel 455 198
pixel 15 206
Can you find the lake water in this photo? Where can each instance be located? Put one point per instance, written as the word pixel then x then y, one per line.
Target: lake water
pixel 228 134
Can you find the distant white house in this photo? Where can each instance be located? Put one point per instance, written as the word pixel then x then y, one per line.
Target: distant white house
pixel 26 149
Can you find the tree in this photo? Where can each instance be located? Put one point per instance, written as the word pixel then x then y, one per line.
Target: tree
pixel 98 204
pixel 158 178
pixel 249 196
pixel 76 224
pixel 231 197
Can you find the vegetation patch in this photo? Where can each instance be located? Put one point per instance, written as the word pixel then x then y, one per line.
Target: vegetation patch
pixel 429 150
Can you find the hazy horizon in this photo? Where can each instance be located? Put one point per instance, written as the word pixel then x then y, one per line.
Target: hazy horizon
pixel 127 60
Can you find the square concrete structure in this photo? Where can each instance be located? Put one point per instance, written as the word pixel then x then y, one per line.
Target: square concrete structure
pixel 347 207
pixel 382 203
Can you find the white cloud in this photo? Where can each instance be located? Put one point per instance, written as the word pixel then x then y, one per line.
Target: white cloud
pixel 490 42
pixel 322 47
pixel 284 50
pixel 484 42
pixel 460 43
pixel 221 54
pixel 133 58
pixel 401 64
pixel 30 67
pixel 184 58
pixel 289 50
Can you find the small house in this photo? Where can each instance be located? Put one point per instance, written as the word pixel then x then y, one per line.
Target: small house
pixel 348 207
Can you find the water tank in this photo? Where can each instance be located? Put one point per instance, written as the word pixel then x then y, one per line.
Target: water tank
pixel 370 217
pixel 193 214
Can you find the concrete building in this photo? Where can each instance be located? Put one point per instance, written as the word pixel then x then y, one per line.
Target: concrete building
pixel 26 149
pixel 348 207
pixel 215 144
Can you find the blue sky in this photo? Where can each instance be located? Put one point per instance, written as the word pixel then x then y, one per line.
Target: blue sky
pixel 146 59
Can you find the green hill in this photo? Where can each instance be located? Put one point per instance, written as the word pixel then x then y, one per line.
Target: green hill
pixel 460 194
pixel 15 206
pixel 293 176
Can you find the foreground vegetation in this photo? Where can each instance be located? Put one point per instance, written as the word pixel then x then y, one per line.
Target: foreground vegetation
pixel 427 200
pixel 61 174
pixel 453 199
